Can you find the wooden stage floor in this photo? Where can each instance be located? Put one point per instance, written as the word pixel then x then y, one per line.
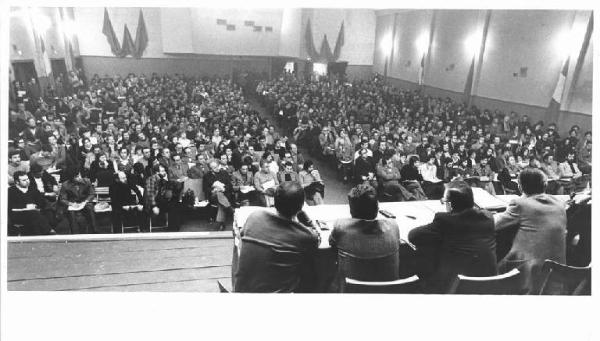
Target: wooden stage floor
pixel 189 262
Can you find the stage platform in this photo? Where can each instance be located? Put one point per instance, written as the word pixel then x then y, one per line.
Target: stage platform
pixel 163 261
pixel 183 261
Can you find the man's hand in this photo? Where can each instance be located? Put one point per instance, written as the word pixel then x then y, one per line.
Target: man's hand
pixel 155 210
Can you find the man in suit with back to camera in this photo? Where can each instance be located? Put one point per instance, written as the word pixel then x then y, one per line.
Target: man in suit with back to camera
pixel 278 249
pixel 541 222
pixel 367 248
pixel 458 241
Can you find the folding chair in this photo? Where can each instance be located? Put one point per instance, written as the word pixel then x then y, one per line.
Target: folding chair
pixel 561 279
pixel 510 283
pixel 408 285
pixel 138 227
pixel 163 227
pixel 103 198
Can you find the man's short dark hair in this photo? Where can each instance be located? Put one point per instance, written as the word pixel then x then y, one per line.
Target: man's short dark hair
pixel 532 181
pixel 46 148
pixel 17 175
pixel 289 198
pixel 460 195
pixel 13 153
pixel 363 202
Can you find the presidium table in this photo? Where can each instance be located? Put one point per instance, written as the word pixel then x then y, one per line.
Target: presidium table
pixel 409 214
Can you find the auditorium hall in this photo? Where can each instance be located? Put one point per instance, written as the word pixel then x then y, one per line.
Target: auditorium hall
pixel 298 150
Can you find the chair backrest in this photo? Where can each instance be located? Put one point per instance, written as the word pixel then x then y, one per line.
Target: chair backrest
pixel 561 279
pixel 510 283
pixel 102 194
pixel 410 285
pixel 263 268
pixel 385 268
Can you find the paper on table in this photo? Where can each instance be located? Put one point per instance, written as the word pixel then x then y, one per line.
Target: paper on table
pixel 485 200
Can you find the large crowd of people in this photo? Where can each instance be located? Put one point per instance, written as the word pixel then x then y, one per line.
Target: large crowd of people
pixel 144 148
pixel 407 145
pixel 158 144
pixel 161 143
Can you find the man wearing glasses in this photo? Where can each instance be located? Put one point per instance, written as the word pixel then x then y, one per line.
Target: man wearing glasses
pixel 459 241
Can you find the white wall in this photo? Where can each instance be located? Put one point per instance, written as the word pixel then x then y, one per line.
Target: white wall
pixel 92 42
pixel 515 39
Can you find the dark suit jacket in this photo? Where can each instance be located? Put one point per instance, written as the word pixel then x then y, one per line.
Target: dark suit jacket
pixel 456 243
pixel 277 255
pixel 368 250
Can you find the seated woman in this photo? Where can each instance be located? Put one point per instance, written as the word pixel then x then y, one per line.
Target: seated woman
pixel 411 178
pixel 389 176
pixel 433 187
pixel 310 179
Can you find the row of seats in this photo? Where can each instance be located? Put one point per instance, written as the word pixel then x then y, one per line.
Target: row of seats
pixel 571 281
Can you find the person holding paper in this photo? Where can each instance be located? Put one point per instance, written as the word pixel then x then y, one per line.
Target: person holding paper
pixel 310 179
pixel 218 187
pixel 77 193
pixel 243 185
pixel 432 185
pixel 265 182
pixel 28 207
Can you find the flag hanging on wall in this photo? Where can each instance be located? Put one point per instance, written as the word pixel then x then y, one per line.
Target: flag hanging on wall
pixel 310 45
pixel 325 53
pixel 45 58
pixel 554 106
pixel 128 45
pixel 469 83
pixel 111 37
pixel 141 37
pixel 422 70
pixel 339 43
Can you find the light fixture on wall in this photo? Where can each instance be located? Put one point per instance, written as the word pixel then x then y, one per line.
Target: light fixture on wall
pixel 386 44
pixel 422 44
pixel 472 43
pixel 568 42
pixel 42 22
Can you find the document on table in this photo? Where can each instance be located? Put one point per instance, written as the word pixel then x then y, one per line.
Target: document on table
pixel 483 199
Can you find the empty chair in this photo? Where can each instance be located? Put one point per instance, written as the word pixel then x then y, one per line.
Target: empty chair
pixel 410 285
pixel 561 279
pixel 510 283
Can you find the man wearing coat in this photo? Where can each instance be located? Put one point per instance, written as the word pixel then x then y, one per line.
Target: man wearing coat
pixel 541 222
pixel 459 241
